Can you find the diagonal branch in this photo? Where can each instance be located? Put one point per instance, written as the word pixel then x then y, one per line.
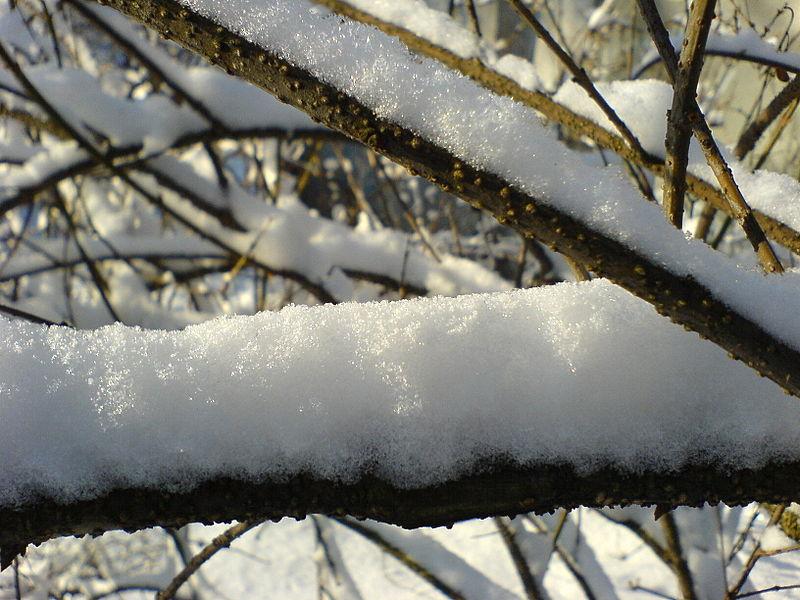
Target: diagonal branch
pixel 225 539
pixel 765 118
pixel 579 74
pixel 484 75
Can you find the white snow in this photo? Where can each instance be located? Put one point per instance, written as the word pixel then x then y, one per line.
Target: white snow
pixel 746 43
pixel 416 391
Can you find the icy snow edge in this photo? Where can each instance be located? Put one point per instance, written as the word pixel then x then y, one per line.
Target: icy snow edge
pixel 415 391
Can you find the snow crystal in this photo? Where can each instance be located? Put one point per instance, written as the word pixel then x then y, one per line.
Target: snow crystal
pixel 415 391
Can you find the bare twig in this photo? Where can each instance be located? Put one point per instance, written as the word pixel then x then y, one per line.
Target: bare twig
pixel 735 589
pixel 764 119
pixel 402 557
pixel 21 314
pixel 17 587
pixel 684 85
pixel 569 560
pixel 531 587
pixel 198 560
pixel 704 222
pixel 472 13
pixel 783 122
pixel 679 565
pixel 579 75
pixel 132 49
pixel 774 588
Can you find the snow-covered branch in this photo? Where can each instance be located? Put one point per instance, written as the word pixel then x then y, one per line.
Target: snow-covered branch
pixel 435 35
pixel 420 412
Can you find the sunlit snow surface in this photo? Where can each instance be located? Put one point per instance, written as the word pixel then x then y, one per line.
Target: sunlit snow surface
pixel 415 390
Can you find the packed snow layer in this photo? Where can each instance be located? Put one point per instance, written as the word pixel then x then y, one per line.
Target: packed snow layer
pixel 416 391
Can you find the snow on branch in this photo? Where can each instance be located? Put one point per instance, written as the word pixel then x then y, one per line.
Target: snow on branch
pixel 436 35
pixel 746 45
pixel 401 411
pixel 495 154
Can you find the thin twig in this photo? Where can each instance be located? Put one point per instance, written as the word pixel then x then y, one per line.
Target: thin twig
pixel 755 130
pixel 783 122
pixel 21 314
pixel 569 560
pixel 401 556
pixel 579 75
pixel 472 13
pixel 733 591
pixel 679 565
pixel 774 588
pixel 131 48
pixel 506 529
pixel 17 587
pixel 198 560
pixel 679 132
pixel 704 222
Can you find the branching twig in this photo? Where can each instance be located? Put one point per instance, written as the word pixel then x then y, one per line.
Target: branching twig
pixel 738 206
pixel 679 132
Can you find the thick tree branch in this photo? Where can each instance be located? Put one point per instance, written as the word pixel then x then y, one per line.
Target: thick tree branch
pixel 491 490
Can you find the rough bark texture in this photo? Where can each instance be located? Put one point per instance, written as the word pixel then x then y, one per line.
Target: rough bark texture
pixel 679 131
pixel 739 208
pixel 500 490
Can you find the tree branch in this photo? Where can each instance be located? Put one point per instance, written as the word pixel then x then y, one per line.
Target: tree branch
pixel 679 132
pixel 764 119
pixel 491 490
pixel 485 76
pixel 579 74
